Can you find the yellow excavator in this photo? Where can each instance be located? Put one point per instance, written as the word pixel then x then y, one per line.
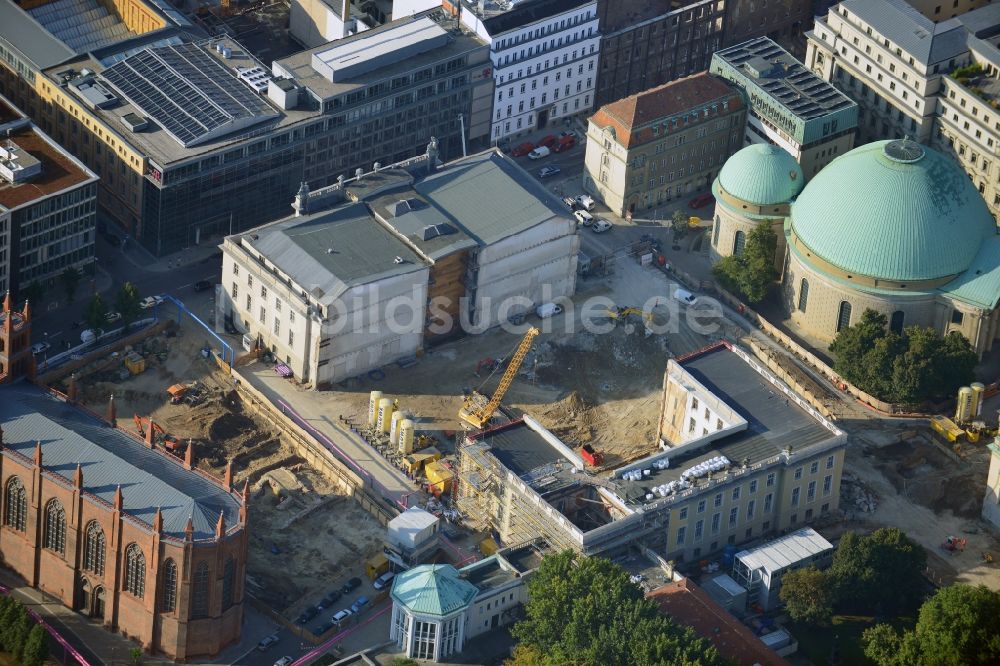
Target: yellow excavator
pixel 478 409
pixel 619 314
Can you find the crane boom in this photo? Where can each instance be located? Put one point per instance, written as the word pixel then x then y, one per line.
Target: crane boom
pixel 478 415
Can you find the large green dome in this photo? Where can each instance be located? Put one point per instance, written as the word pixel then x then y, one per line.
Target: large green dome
pixel 762 174
pixel 893 210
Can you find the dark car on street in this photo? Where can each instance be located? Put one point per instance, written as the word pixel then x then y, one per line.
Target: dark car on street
pixel 329 600
pixel 202 285
pixel 351 585
pixel 307 615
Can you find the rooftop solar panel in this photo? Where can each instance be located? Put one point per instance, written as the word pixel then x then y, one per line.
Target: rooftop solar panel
pixel 190 94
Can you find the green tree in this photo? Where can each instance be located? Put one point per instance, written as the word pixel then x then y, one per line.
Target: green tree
pixel 96 310
pixel 14 627
pixel 865 567
pixel 752 272
pixel 907 368
pixel 36 647
pixel 586 611
pixel 807 596
pixel 135 656
pixel 958 626
pixel 680 223
pixel 127 303
pixel 70 281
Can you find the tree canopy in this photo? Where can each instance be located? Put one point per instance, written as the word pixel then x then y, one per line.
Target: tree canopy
pixel 864 567
pixel 586 612
pixel 751 273
pixel 96 310
pixel 127 303
pixel 909 368
pixel 680 224
pixel 70 280
pixel 958 626
pixel 807 596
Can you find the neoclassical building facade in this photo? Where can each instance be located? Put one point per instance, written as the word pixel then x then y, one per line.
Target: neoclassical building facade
pixel 118 530
pixel 893 226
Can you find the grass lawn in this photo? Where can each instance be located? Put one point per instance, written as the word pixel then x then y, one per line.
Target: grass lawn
pixel 816 643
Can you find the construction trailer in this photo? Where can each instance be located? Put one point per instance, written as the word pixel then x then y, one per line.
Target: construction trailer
pixel 759 570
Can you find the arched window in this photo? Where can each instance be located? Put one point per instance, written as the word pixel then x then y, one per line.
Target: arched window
pixel 738 243
pixel 135 571
pixel 93 549
pixel 15 504
pixel 715 232
pixel 199 597
pixel 803 294
pixel 228 579
pixel 896 322
pixel 844 316
pixel 55 527
pixel 169 598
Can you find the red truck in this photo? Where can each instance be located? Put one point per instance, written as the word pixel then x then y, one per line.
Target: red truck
pixel 592 456
pixel 564 143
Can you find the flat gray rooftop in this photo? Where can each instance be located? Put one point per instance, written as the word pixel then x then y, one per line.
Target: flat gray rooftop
pixel 487 574
pixel 774 423
pixel 110 458
pixel 27 36
pixel 519 448
pixel 334 249
pixel 791 84
pixel 916 34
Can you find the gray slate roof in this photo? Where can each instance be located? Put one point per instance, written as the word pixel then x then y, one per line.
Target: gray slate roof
pixel 489 196
pixel 334 250
pixel 28 37
pixel 916 34
pixel 110 458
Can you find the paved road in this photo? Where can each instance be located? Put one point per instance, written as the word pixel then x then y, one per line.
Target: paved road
pixel 314 408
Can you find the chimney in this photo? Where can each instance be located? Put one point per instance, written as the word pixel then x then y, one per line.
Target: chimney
pixel 227 479
pixel 72 390
pixel 112 414
pixel 345 15
pixel 189 455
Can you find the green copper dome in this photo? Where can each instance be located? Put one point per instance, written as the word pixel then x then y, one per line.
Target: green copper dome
pixel 762 174
pixel 433 589
pixel 893 210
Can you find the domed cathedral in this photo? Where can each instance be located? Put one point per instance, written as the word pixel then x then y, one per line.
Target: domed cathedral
pixel 893 226
pixel 755 185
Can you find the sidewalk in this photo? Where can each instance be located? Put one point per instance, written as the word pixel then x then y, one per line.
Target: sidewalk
pixel 141 258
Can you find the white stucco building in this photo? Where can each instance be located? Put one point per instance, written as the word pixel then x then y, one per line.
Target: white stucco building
pixel 437 609
pixel 371 270
pixel 544 54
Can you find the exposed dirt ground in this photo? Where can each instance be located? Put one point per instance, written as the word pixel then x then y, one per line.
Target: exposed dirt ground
pixel 306 524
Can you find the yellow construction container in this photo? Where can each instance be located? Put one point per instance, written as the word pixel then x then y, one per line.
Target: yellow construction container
pixel 488 547
pixel 439 477
pixel 135 363
pixel 414 462
pixel 376 566
pixel 946 428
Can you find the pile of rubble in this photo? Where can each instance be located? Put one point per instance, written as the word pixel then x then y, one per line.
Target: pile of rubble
pixel 857 494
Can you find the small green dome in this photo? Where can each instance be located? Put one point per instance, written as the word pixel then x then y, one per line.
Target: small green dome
pixel 893 210
pixel 762 174
pixel 433 589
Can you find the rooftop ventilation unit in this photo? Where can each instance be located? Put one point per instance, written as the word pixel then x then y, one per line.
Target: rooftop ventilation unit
pixel 435 230
pixel 134 122
pixel 255 77
pixel 404 206
pixel 16 164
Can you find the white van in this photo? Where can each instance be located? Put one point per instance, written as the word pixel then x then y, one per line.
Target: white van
pixel 538 153
pixel 685 297
pixel 384 580
pixel 546 310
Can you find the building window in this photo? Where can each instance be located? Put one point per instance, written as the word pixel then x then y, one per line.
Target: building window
pixel 795 496
pixel 169 598
pixel 55 527
pixel 699 529
pixel 739 242
pixel 734 515
pixel 715 231
pixel 827 484
pixel 736 494
pixel 236 291
pixel 798 473
pixel 135 571
pixel 681 534
pixel 770 480
pixel 683 514
pixel 803 294
pixel 768 501
pixel 199 598
pixel 957 317
pixel 896 322
pixel 250 281
pixel 16 508
pixel 751 505
pixel 814 467
pixel 716 519
pixel 829 462
pixel 236 269
pixel 93 549
pixel 718 500
pixel 844 316
pixel 291 338
pixel 753 486
pixel 228 582
pixel 811 492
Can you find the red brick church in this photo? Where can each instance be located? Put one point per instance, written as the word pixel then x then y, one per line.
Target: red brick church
pixel 116 529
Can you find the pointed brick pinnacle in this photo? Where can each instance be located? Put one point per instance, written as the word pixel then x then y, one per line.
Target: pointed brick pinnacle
pixel 220 527
pixel 158 521
pixel 73 389
pixel 189 529
pixel 6 302
pixel 27 311
pixel 189 455
pixel 78 476
pixel 119 499
pixel 112 414
pixel 227 479
pixel 149 434
pixel 38 453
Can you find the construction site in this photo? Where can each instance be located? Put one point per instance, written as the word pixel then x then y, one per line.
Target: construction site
pixel 306 528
